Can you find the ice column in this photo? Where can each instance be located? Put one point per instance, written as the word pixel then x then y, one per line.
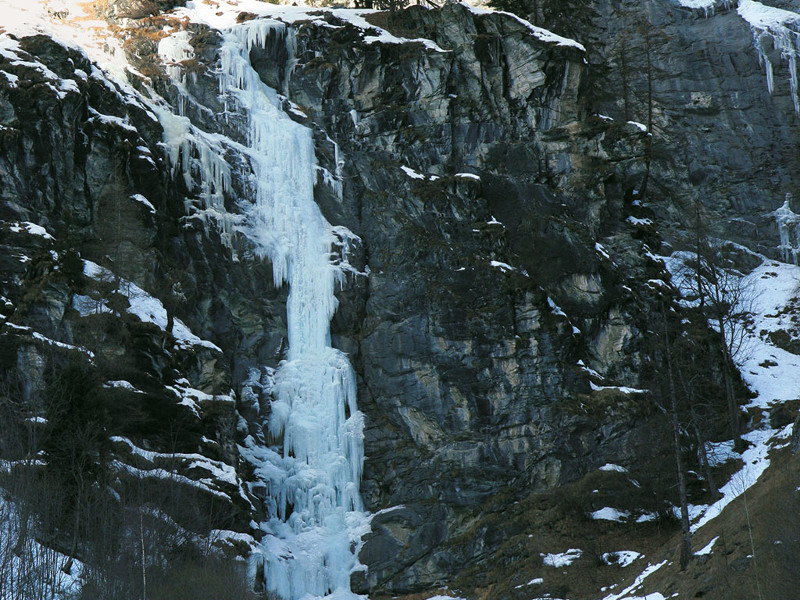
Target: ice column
pixel 316 516
pixel 788 224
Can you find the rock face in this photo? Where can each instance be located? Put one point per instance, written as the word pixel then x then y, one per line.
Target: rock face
pixel 478 197
pixel 91 220
pixel 501 302
pixel 720 138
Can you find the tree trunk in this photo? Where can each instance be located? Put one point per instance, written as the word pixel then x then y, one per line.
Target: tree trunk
pixel 703 455
pixel 686 540
pixel 730 396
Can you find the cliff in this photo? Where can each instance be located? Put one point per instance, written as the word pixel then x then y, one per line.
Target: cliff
pixel 501 277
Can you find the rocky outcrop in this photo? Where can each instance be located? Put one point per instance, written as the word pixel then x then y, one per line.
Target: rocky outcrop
pixel 90 220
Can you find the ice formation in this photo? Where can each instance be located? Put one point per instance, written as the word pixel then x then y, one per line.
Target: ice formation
pixel 316 518
pixel 789 229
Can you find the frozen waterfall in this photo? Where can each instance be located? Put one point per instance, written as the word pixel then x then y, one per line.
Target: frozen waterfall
pixel 316 519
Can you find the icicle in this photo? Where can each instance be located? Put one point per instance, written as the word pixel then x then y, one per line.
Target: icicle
pixel 291 61
pixel 764 61
pixel 782 27
pixel 173 50
pixel 198 157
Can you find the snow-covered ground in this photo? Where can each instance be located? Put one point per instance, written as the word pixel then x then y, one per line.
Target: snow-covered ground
pixel 637 584
pixel 771 371
pixel 773 374
pixel 562 559
pixel 620 558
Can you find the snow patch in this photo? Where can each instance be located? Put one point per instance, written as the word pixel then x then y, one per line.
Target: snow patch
pixel 707 548
pixel 612 467
pixel 562 559
pixel 412 173
pixel 36 571
pixel 142 200
pixel 122 385
pixel 555 308
pixel 610 514
pixel 30 229
pixel 111 120
pixel 504 267
pixel 601 251
pixel 617 388
pixel 755 463
pixel 543 35
pixel 646 517
pixel 50 342
pixel 637 583
pixel 621 558
pixel 534 581
pixel 141 304
pixel 639 126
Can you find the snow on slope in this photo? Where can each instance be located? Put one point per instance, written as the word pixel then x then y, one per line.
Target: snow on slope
pixel 774 284
pixel 72 23
pixel 771 373
pixel 541 34
pixel 141 304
